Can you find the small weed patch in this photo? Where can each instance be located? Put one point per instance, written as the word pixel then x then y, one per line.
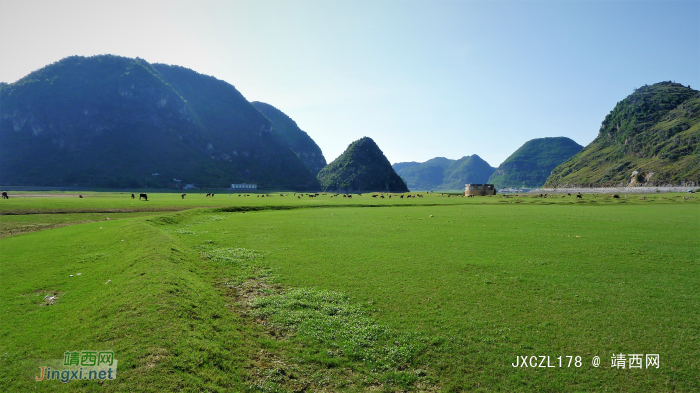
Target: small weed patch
pixel 232 256
pixel 332 319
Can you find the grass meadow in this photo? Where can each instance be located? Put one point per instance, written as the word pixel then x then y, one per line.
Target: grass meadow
pixel 285 294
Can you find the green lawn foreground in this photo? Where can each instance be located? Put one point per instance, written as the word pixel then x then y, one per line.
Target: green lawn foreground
pixel 479 284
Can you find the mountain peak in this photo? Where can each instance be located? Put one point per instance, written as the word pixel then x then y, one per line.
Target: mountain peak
pixel 442 173
pixel 649 138
pixel 112 121
pixel 361 168
pixel 533 162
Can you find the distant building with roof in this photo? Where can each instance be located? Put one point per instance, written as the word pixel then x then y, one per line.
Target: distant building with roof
pixel 244 186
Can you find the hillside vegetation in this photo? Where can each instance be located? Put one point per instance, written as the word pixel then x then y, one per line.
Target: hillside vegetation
pixel 533 162
pixel 118 122
pixel 287 129
pixel 652 137
pixel 443 173
pixel 361 168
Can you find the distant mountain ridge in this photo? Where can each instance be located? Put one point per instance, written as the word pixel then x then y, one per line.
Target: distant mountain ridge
pixel 650 138
pixel 361 168
pixel 287 129
pixel 114 121
pixel 442 173
pixel 533 162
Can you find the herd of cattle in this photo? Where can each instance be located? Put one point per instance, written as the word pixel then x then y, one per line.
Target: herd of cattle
pixel 374 195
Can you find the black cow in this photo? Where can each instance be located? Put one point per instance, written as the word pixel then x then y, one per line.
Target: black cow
pixel 183 196
pixel 4 195
pixel 579 196
pixel 132 196
pixel 144 196
pixel 80 196
pixel 616 196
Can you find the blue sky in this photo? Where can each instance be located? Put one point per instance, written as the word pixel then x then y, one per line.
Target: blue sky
pixel 424 79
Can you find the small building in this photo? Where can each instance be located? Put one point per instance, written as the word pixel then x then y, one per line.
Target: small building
pixel 479 189
pixel 244 186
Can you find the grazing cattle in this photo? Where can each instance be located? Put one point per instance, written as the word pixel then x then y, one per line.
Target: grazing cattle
pixel 144 196
pixel 381 196
pixel 80 196
pixel 183 196
pixel 298 197
pixel 401 197
pixel 132 196
pixel 4 195
pixel 616 196
pixel 207 194
pixel 349 196
pixel 569 194
pixel 579 196
pixel 374 196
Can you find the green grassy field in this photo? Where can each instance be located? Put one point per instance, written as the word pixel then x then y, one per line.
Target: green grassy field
pixel 334 294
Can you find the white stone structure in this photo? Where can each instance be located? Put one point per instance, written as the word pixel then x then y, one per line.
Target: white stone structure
pixel 479 189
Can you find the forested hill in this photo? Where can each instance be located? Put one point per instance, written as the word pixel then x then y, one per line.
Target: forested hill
pixel 650 138
pixel 442 173
pixel 361 168
pixel 294 137
pixel 533 162
pixel 120 122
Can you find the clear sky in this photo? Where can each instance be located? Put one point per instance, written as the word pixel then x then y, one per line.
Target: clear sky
pixel 424 79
